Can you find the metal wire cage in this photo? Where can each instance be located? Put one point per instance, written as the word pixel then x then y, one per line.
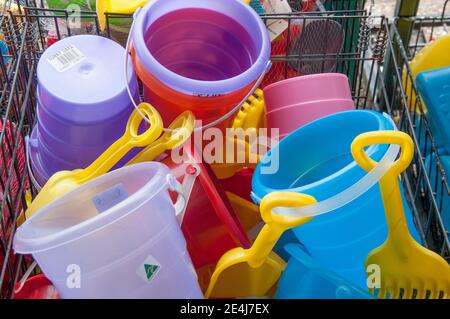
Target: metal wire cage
pixel 428 177
pixel 16 95
pixel 427 29
pixel 365 44
pixel 333 5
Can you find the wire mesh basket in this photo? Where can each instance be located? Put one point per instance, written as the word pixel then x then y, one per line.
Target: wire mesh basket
pixel 16 95
pixel 333 5
pixel 365 45
pixel 429 180
pixel 427 29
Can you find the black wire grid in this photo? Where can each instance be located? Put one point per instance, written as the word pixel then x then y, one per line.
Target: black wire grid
pixel 427 178
pixel 367 48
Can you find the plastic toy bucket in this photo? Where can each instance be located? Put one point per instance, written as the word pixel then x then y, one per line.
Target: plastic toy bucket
pixel 73 129
pixel 295 102
pixel 210 225
pixel 240 183
pixel 304 278
pixel 12 142
pixel 202 56
pixel 4 52
pixel 423 138
pixel 119 232
pixel 434 87
pixel 36 287
pixel 324 168
pixel 308 88
pixel 11 197
pixel 433 56
pixel 290 118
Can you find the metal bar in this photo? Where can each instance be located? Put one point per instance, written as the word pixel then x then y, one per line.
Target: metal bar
pixel 404 10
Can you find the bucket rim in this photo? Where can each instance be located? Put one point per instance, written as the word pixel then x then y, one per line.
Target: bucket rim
pixel 37 244
pixel 191 86
pixel 297 80
pixel 341 198
pixel 66 106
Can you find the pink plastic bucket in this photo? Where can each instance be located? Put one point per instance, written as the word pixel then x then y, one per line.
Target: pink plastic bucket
pixel 290 118
pixel 295 102
pixel 307 88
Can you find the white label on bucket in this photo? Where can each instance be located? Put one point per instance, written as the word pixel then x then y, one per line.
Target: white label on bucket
pixel 66 58
pixel 148 269
pixel 276 27
pixel 276 6
pixel 207 94
pixel 109 198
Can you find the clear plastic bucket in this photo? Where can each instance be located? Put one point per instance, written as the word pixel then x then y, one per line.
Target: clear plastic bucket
pixel 114 237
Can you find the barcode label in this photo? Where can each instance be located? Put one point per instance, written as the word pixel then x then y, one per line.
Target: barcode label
pixel 66 58
pixel 207 94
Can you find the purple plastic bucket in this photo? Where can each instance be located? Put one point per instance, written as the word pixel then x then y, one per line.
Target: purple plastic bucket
pixel 241 40
pixel 83 106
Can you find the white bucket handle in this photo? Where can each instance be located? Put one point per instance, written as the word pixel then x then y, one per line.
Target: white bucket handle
pixel 200 128
pixel 190 171
pixel 30 171
pixel 25 277
pixel 348 195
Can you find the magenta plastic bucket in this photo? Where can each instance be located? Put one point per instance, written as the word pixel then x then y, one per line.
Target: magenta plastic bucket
pixel 83 105
pixel 198 55
pixel 307 88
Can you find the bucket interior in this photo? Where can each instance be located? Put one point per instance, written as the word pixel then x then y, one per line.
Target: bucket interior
pixel 321 150
pixel 88 202
pixel 202 44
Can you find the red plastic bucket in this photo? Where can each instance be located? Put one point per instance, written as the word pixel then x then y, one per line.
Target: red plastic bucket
pixel 210 225
pixel 11 199
pixel 36 287
pixel 171 103
pixel 197 55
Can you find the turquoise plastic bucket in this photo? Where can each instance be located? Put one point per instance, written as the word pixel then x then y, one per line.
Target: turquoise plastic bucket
pixel 305 278
pixel 316 160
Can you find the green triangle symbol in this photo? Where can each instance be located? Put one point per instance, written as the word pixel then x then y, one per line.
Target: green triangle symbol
pixel 150 270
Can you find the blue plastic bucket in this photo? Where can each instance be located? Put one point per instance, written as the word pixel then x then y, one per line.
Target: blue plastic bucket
pixel 424 139
pixel 4 51
pixel 316 160
pixel 434 87
pixel 305 278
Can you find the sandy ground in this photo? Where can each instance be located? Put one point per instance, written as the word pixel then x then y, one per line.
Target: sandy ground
pixel 426 7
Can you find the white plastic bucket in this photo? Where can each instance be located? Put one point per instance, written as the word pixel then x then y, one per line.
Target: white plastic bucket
pixel 114 237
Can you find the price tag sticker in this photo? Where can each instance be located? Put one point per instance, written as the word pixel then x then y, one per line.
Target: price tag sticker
pixel 66 59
